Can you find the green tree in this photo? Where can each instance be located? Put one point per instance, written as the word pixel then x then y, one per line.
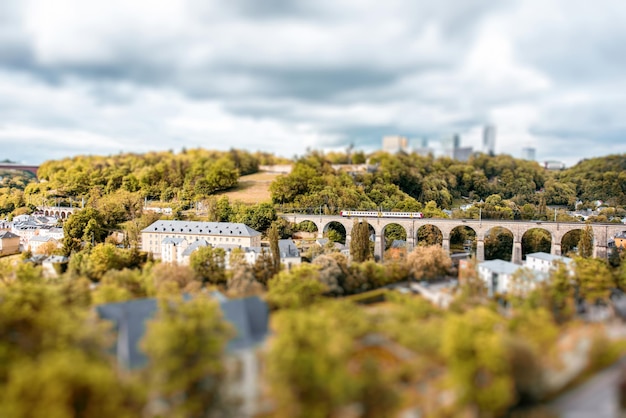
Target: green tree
pixel 475 352
pixel 67 384
pixel 263 267
pixel 585 243
pixel 360 242
pixel 307 364
pixel 498 244
pixel 185 346
pixel 594 279
pixel 297 288
pixel 84 225
pixel 209 264
pixel 258 217
pixel 272 235
pixel 38 318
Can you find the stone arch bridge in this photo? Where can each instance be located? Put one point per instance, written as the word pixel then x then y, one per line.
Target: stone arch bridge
pixel 20 167
pixel 601 232
pixel 60 212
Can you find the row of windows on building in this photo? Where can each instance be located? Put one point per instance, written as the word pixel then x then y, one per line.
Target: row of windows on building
pixel 159 239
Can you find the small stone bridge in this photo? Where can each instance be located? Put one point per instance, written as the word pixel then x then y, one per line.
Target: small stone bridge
pixel 20 167
pixel 60 212
pixel 602 232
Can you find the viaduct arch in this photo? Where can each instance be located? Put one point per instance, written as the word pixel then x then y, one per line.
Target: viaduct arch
pixel 20 167
pixel 601 232
pixel 60 212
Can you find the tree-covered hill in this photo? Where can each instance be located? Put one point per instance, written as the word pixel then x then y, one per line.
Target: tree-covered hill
pixel 602 178
pixel 408 181
pixel 188 175
pixel 405 182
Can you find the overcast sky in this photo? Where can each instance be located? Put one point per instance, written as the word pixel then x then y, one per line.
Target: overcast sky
pixel 101 77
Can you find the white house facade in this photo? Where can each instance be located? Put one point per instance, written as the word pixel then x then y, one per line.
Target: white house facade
pixel 213 233
pixel 497 275
pixel 545 262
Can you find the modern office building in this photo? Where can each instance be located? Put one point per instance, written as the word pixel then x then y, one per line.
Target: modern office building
pixel 450 144
pixel 423 149
pixel 528 153
pixel 394 143
pixel 489 140
pixel 462 153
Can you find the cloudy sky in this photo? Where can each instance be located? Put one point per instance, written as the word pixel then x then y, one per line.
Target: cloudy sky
pixel 101 77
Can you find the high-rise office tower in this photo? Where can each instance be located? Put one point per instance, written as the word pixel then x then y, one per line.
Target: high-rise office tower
pixel 393 144
pixel 528 153
pixel 489 139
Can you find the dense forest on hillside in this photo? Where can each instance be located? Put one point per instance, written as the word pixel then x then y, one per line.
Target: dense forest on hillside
pixel 506 187
pixel 602 178
pixel 501 187
pixel 188 175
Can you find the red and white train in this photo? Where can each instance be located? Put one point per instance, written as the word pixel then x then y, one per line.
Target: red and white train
pixel 370 214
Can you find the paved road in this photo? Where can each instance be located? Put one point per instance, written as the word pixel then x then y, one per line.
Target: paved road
pixel 596 398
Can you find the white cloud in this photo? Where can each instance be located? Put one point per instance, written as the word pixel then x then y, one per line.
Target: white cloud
pixel 283 76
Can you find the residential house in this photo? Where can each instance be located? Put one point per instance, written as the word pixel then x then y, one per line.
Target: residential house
pixel 28 226
pixel 497 275
pixel 54 265
pixel 249 317
pixel 289 253
pixel 9 243
pixel 620 240
pixel 38 241
pixel 545 262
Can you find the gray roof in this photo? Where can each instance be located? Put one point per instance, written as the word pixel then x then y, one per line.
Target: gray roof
pixel 173 240
pixel 257 250
pixel 8 234
pixel 287 248
pixel 249 316
pixel 57 259
pixel 499 266
pixel 549 257
pixel 41 238
pixel 322 241
pixel 202 228
pixel 194 246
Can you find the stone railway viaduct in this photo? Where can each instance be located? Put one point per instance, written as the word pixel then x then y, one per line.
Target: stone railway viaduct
pixel 601 232
pixel 61 212
pixel 20 167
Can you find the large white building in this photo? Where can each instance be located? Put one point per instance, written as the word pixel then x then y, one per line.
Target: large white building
pixel 497 274
pixel 214 233
pixel 545 262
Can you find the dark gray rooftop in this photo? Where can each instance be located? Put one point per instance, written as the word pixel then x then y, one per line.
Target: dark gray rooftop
pixel 287 248
pixel 249 316
pixel 202 228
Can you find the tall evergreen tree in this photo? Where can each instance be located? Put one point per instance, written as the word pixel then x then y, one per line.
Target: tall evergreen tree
pixel 360 243
pixel 272 235
pixel 585 243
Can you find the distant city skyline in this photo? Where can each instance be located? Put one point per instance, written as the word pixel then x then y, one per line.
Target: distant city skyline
pixel 284 76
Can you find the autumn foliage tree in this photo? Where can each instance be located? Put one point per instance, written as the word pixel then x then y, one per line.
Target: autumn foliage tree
pixel 185 345
pixel 360 243
pixel 429 262
pixel 585 243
